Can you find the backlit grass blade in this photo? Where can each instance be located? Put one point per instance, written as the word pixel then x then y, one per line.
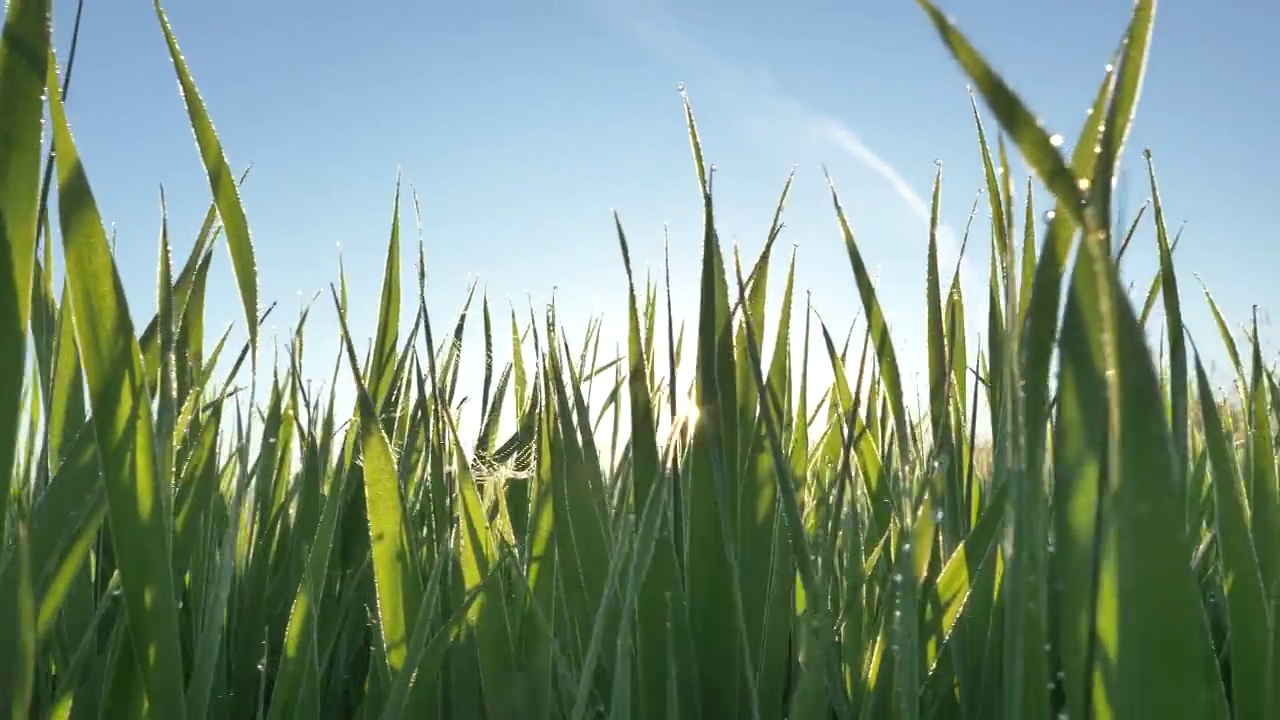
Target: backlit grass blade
pixel 226 193
pixel 1228 340
pixel 714 475
pixel 1120 113
pixel 384 343
pixel 24 57
pixel 1252 690
pixel 123 428
pixel 1173 315
pixel 888 359
pixel 395 578
pixel 1262 490
pixel 649 592
pixel 1040 150
pixel 936 343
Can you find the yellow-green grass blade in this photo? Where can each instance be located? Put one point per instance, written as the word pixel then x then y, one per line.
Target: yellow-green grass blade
pixel 24 57
pixel 64 526
pixel 1252 692
pixel 122 424
pixel 883 344
pixel 936 341
pixel 1228 340
pixel 381 376
pixel 818 615
pixel 1177 364
pixel 222 184
pixel 999 225
pixel 1040 150
pixel 776 567
pixel 1120 114
pixel 1146 644
pixel 395 577
pixel 300 639
pixel 1025 661
pixel 488 614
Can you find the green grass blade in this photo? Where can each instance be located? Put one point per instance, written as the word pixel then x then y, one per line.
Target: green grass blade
pixel 888 359
pixel 1250 655
pixel 1040 150
pixel 226 193
pixel 24 57
pixel 1177 341
pixel 384 345
pixel 395 579
pixel 122 424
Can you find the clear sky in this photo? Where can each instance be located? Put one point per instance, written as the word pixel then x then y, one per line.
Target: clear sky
pixel 521 129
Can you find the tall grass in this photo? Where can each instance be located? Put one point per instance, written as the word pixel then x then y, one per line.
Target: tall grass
pixel 760 547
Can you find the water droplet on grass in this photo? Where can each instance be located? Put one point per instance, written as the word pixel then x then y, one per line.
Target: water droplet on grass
pixel 680 87
pixel 1049 215
pixel 1055 140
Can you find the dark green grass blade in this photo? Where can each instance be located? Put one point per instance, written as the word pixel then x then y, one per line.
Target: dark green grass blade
pixel 713 475
pixel 226 193
pixel 649 592
pixel 122 424
pixel 24 58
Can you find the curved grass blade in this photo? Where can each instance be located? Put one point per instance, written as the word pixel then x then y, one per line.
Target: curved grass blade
pixel 1124 104
pixel 122 424
pixel 1251 686
pixel 879 329
pixel 394 575
pixel 1040 150
pixel 24 58
pixel 226 193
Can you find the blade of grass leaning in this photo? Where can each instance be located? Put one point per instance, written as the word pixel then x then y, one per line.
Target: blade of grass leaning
pixel 1120 114
pixel 395 579
pixel 888 359
pixel 222 184
pixel 122 425
pixel 24 58
pixel 1252 693
pixel 1177 364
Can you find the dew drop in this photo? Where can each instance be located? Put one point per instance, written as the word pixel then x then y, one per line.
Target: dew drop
pixel 897 577
pixel 1056 140
pixel 937 516
pixel 1050 215
pixel 1083 184
pixel 1110 67
pixel 906 547
pixel 680 87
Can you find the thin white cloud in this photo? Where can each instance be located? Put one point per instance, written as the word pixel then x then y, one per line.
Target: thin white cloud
pixel 652 26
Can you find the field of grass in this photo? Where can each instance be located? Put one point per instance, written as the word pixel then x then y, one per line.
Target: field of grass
pixel 174 545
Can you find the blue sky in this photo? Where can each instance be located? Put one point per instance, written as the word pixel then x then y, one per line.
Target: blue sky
pixel 520 129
